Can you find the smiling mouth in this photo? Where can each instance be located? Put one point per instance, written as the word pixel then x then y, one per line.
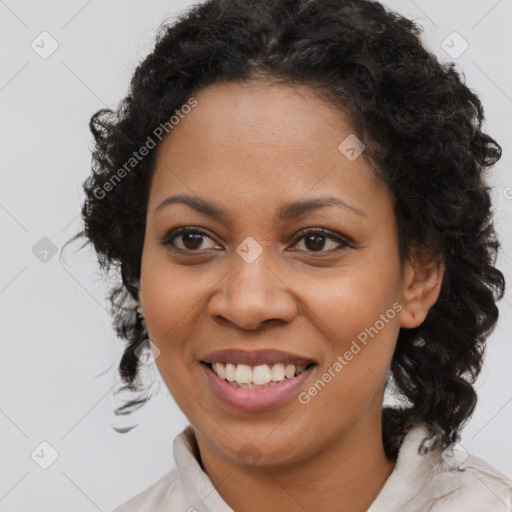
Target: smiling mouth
pixel 256 377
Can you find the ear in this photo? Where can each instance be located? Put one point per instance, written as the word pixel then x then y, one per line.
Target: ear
pixel 421 287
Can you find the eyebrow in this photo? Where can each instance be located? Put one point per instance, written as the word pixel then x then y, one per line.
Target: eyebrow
pixel 286 211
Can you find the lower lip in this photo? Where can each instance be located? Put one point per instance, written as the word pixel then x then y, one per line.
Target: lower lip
pixel 255 399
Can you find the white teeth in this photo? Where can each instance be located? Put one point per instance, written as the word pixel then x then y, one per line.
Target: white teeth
pixel 289 371
pixel 277 372
pixel 220 370
pixel 243 374
pixel 261 376
pixel 230 372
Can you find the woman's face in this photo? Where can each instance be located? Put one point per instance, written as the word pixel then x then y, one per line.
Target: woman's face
pixel 253 284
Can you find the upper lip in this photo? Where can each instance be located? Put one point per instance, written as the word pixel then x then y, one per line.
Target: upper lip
pixel 256 357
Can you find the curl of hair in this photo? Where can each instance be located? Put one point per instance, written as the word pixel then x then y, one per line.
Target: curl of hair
pixel 422 127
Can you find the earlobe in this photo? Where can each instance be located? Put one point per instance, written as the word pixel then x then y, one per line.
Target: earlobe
pixel 421 289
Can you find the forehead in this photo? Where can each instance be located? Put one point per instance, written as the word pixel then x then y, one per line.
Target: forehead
pixel 261 143
pixel 245 116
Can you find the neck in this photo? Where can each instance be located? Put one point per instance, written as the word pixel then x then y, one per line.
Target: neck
pixel 347 474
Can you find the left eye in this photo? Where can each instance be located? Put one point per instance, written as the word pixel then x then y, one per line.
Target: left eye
pixel 314 240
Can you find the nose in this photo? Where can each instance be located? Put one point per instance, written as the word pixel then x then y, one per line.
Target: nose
pixel 253 293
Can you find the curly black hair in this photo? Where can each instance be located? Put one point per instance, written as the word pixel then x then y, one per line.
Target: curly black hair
pixel 422 127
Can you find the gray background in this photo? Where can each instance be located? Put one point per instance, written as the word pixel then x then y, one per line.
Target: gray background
pixel 58 351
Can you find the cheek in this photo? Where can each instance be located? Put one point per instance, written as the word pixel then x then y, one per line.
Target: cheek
pixel 357 313
pixel 171 315
pixel 360 331
pixel 352 300
pixel 169 294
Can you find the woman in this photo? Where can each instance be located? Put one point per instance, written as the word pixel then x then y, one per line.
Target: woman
pixel 294 194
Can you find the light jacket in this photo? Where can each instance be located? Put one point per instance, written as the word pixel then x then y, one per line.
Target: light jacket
pixel 447 481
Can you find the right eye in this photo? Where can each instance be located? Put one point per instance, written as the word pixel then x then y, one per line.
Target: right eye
pixel 191 239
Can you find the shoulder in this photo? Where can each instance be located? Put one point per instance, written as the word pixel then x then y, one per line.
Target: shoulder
pixel 437 480
pixel 182 488
pixel 472 485
pixel 451 479
pixel 153 496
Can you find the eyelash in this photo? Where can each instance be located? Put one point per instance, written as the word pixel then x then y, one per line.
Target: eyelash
pixel 169 238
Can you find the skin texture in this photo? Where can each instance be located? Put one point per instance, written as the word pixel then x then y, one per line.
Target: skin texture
pixel 249 148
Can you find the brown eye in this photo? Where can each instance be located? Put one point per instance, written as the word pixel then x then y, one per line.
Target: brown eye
pixel 316 239
pixel 191 239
